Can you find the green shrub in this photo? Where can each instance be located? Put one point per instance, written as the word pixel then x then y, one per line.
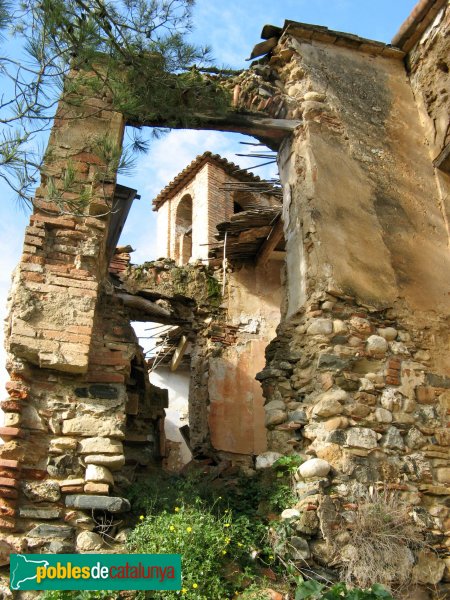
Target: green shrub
pixel 159 491
pixel 78 595
pixel 313 590
pixel 244 501
pixel 266 491
pixel 212 546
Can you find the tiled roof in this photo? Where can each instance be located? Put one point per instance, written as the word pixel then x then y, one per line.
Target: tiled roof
pixel 189 172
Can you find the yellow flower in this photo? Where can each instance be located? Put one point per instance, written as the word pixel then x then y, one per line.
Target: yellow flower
pixel 189 529
pixel 172 528
pixel 240 545
pixel 227 525
pixel 184 591
pixel 177 509
pixel 142 517
pixel 224 551
pixel 270 557
pixel 227 540
pixel 195 586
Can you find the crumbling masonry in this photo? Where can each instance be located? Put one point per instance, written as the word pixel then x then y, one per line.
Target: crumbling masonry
pixel 359 372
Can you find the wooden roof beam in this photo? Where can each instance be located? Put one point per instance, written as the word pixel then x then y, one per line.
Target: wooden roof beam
pixel 179 353
pixel 268 130
pixel 270 243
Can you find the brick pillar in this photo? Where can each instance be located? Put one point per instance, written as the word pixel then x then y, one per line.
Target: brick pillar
pixel 56 283
pixel 50 330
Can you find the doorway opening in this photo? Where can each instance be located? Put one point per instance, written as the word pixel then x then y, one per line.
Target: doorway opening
pixel 216 216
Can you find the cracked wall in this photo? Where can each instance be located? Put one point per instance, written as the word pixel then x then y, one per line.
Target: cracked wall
pixel 359 372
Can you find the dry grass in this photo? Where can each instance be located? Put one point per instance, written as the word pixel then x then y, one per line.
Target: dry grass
pixel 382 539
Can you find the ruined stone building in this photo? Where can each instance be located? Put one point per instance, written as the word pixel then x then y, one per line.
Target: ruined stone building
pixel 209 199
pixel 357 372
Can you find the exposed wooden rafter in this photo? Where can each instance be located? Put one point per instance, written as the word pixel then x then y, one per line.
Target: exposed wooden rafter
pixel 270 131
pixel 270 243
pixel 179 353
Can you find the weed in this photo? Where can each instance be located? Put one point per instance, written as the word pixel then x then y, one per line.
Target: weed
pixel 226 544
pixel 267 491
pixel 289 463
pixel 78 595
pixel 211 545
pixel 283 495
pixel 383 536
pixel 214 290
pixel 313 590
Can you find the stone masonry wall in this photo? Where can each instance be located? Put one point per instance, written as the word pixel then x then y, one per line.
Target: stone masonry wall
pixel 354 388
pixel 191 294
pixel 228 336
pixel 74 398
pixel 428 68
pixel 359 373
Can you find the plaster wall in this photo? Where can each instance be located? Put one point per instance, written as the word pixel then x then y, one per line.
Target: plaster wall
pixel 197 189
pixel 200 216
pixel 428 67
pixel 163 231
pixel 236 414
pixel 360 359
pixel 177 385
pixel 362 208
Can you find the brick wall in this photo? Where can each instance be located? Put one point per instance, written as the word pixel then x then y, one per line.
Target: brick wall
pixel 78 390
pixel 211 205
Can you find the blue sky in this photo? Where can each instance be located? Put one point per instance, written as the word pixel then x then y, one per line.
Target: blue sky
pixel 231 28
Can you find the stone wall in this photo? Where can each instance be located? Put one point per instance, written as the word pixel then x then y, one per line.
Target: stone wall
pixel 228 336
pixel 360 366
pixel 77 392
pixel 428 69
pixel 191 295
